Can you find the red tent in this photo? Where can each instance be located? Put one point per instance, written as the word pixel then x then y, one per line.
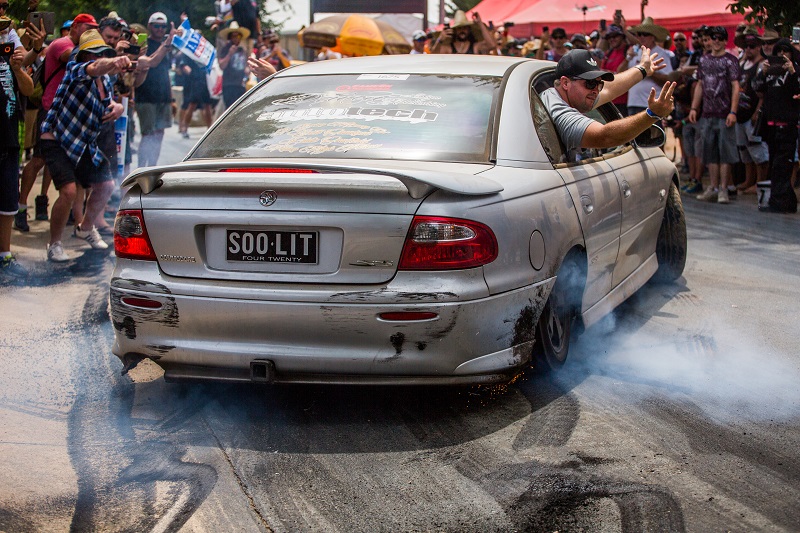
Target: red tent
pixel 583 17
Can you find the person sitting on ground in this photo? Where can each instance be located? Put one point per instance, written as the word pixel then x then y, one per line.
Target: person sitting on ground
pixel 581 86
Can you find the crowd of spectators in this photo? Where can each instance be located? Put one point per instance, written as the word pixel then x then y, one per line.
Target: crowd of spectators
pixel 735 117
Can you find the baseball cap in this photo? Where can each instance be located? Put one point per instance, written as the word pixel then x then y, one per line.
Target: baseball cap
pixel 579 37
pixel 91 41
pixel 719 31
pixel 419 35
pixel 85 18
pixel 157 17
pixel 613 29
pixel 67 24
pixel 580 64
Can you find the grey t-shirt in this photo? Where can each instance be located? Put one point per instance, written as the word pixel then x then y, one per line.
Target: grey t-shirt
pixel 570 123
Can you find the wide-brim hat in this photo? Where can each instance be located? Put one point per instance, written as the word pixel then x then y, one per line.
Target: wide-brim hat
pixel 92 42
pixel 770 36
pixel 648 26
pixel 234 28
pixel 748 36
pixel 460 19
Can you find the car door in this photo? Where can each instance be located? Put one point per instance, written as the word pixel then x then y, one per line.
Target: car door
pixel 594 190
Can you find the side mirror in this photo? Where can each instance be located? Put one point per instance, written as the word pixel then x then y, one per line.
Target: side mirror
pixel 652 137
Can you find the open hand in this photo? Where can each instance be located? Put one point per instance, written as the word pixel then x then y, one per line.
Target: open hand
pixel 665 103
pixel 260 67
pixel 651 62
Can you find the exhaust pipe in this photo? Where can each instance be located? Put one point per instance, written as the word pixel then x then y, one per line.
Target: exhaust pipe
pixel 262 371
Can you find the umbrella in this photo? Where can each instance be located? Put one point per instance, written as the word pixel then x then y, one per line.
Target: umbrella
pixel 355 35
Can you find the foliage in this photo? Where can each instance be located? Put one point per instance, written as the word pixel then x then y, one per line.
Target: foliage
pixel 776 14
pixel 451 6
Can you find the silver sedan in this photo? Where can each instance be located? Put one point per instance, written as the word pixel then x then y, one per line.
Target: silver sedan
pixel 394 219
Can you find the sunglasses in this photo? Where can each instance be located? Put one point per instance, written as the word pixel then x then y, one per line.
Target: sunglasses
pixel 753 46
pixel 592 84
pixel 159 26
pixel 559 36
pixel 679 40
pixel 718 38
pixel 3 6
pixel 644 34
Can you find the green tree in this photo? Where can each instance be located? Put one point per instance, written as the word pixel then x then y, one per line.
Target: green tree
pixel 776 14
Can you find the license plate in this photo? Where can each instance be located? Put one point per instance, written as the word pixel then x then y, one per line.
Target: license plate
pixel 272 246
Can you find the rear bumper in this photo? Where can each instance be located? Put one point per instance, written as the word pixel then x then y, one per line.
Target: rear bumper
pixel 333 340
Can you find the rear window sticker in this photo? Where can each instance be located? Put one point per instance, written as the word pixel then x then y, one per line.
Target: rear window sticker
pixel 398 77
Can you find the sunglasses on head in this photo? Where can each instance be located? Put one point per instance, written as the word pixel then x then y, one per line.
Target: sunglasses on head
pixel 592 84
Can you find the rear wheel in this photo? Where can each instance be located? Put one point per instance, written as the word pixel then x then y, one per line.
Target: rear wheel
pixel 671 244
pixel 555 326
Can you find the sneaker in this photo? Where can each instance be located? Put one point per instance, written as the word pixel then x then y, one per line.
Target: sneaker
pixel 41 207
pixel 21 220
pixel 722 197
pixel 56 254
pixel 91 236
pixel 185 135
pixel 709 195
pixel 693 187
pixel 10 268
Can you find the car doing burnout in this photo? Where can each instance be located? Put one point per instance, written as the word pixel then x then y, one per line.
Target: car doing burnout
pixel 394 219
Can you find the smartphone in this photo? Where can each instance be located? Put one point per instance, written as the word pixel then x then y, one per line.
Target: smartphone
pixel 48 17
pixel 141 39
pixel 602 24
pixel 134 49
pixel 776 60
pixel 796 34
pixel 617 15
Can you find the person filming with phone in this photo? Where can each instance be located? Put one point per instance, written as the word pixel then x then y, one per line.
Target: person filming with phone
pixel 777 82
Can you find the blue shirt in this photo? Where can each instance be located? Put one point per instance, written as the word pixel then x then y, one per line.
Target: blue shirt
pixel 76 115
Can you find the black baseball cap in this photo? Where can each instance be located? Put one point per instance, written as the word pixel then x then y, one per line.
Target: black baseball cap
pixel 719 31
pixel 581 64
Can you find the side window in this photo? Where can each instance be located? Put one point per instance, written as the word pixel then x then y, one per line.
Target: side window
pixel 604 114
pixel 546 130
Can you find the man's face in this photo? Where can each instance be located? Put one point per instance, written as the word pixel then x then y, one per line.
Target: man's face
pixel 111 36
pixel 582 94
pixel 615 41
pixel 647 39
pixel 697 41
pixel 752 50
pixel 157 30
pixel 419 45
pixel 718 42
pixel 707 43
pixel 559 40
pixel 767 48
pixel 76 30
pixel 462 33
pixel 236 38
pixel 680 42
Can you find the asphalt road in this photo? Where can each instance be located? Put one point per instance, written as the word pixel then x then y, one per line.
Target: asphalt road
pixel 680 412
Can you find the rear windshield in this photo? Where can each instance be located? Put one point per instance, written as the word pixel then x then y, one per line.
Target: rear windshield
pixel 375 116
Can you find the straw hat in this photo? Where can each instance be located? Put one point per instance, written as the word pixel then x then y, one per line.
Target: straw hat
pixel 648 26
pixel 460 19
pixel 234 28
pixel 748 36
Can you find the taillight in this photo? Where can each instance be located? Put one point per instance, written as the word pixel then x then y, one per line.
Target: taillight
pixel 130 236
pixel 441 243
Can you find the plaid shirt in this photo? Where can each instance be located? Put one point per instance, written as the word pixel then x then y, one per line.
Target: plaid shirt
pixel 75 116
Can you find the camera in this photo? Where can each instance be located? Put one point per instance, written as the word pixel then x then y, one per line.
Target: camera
pixel 509 24
pixel 6 49
pixel 134 49
pixel 796 34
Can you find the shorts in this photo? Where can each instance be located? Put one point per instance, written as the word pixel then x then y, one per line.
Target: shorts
pixel 750 150
pixel 64 171
pixel 9 181
pixel 719 142
pixel 692 142
pixel 154 117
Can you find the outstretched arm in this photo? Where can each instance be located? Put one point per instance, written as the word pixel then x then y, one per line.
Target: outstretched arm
pixel 623 81
pixel 619 132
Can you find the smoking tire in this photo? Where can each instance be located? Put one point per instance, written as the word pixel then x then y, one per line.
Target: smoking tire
pixel 671 244
pixel 554 329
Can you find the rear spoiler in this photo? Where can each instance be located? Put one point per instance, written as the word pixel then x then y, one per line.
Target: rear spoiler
pixel 418 182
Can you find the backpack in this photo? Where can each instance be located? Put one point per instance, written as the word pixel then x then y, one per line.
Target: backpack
pixel 40 83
